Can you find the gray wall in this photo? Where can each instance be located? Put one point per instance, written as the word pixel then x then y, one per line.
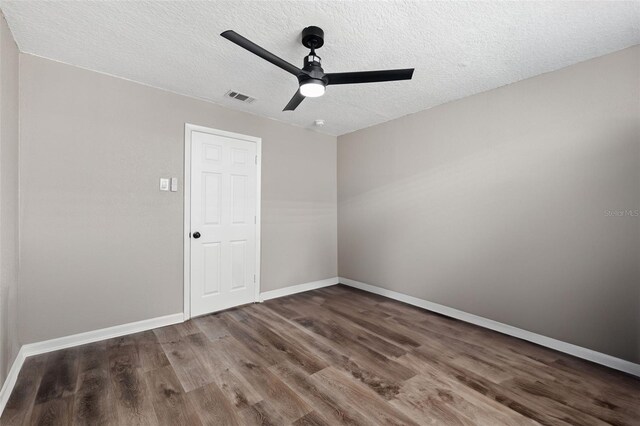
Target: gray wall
pixel 495 204
pixel 9 344
pixel 100 244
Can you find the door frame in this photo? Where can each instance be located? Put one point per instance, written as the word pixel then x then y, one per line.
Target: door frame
pixel 188 129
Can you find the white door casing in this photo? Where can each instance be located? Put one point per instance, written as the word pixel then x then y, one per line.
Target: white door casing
pixel 222 194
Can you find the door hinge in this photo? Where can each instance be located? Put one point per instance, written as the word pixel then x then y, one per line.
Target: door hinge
pixel 255 220
pixel 256 160
pixel 254 278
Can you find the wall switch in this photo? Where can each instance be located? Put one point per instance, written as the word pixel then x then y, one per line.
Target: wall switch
pixel 174 184
pixel 164 184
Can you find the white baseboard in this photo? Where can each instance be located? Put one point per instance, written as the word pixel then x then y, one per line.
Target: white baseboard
pixel 11 379
pixel 286 291
pixel 568 348
pixel 102 334
pixel 77 340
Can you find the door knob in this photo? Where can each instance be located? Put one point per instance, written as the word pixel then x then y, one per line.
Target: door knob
pixel 196 235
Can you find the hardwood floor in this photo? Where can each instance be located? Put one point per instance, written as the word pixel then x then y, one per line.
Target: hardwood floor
pixel 325 357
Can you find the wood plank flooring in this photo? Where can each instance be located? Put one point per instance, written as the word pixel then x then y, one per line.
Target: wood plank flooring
pixel 324 357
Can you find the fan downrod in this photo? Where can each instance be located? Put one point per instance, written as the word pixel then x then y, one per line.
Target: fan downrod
pixel 313 37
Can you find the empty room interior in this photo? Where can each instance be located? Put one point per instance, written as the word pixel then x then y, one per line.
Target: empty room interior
pixel 319 212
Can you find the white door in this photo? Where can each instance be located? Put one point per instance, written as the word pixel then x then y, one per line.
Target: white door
pixel 223 222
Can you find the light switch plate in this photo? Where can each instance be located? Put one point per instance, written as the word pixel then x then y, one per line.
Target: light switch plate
pixel 174 184
pixel 164 184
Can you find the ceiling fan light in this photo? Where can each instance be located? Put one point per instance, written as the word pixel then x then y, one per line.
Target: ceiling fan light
pixel 312 89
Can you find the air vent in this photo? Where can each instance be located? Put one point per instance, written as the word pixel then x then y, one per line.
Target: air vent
pixel 240 96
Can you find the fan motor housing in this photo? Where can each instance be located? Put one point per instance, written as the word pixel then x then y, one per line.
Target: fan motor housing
pixel 313 37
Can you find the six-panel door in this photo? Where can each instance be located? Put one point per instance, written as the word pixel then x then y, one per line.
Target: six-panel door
pixel 223 211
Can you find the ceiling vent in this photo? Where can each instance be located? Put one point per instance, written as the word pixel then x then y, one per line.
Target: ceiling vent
pixel 239 96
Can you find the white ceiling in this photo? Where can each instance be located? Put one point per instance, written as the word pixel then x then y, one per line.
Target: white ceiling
pixel 457 48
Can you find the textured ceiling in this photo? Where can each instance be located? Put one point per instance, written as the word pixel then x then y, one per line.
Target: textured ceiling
pixel 457 48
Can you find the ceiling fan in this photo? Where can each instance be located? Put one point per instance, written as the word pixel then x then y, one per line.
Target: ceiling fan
pixel 312 78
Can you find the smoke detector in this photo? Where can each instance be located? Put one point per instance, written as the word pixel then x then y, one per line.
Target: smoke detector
pixel 318 123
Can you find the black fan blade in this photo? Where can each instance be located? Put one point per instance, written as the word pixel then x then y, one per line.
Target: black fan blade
pixel 294 102
pixel 257 50
pixel 369 76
